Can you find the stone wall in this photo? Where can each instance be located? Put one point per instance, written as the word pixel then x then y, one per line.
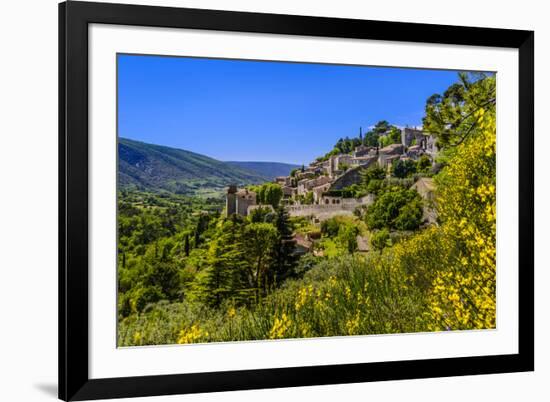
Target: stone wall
pixel 323 212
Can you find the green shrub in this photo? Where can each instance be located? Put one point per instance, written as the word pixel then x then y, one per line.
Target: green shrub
pixel 380 239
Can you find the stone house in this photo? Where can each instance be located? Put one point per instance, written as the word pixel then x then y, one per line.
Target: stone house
pixel 363 150
pixel 237 201
pixel 362 160
pixel 319 191
pixel 289 191
pixel 282 180
pixel 415 152
pixel 305 186
pixel 304 175
pixel 388 154
pixel 336 164
pixel 410 135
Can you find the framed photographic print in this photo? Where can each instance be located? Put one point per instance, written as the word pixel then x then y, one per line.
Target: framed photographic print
pixel 257 200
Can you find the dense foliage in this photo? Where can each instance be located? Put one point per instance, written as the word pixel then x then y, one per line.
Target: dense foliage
pixel 451 116
pixel 382 134
pixel 396 208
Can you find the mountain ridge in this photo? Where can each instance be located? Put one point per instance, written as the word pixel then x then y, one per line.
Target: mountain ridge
pixel 155 167
pixel 267 169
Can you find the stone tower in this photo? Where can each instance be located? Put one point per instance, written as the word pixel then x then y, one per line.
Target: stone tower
pixel 231 200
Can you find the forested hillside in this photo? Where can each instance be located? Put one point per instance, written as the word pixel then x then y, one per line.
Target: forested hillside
pixel 155 167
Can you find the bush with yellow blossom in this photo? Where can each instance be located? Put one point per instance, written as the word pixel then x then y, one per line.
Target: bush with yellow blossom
pixel 464 292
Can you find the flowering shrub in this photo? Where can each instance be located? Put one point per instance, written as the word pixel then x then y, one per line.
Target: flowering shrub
pixel 192 335
pixel 464 294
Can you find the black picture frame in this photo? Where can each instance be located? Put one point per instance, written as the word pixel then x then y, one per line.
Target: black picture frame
pixel 74 381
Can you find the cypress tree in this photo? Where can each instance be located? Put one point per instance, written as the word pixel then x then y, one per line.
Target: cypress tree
pixel 186 244
pixel 284 256
pixel 197 237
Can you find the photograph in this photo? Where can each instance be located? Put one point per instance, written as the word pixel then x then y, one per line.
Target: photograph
pixel 263 200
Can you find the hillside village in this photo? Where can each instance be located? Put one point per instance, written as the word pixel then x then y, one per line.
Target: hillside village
pixel 318 190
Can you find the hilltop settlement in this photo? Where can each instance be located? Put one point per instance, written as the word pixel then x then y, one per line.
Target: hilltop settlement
pixel 323 189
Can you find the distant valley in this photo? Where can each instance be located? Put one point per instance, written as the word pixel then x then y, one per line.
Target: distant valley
pixel 160 168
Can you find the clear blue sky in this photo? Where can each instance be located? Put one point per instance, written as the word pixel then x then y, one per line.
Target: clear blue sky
pixel 264 111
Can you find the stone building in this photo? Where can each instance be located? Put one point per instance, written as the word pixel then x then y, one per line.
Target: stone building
pixel 362 160
pixel 319 190
pixel 231 200
pixel 410 135
pixel 415 152
pixel 282 180
pixel 306 185
pixel 422 143
pixel 390 153
pixel 337 163
pixel 289 191
pixel 363 150
pixel 237 201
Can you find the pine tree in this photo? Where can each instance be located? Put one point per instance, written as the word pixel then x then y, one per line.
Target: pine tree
pixel 284 256
pixel 225 274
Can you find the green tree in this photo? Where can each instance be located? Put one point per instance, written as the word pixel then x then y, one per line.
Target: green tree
pixel 201 227
pixel 270 194
pixel 371 139
pixel 186 245
pixel 410 215
pixel 225 273
pixel 389 206
pixel 423 164
pixel 451 117
pixel 374 172
pixel 259 240
pixel 381 127
pixel 260 214
pixel 284 257
pixel 403 168
pixel 380 239
pixel 347 237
